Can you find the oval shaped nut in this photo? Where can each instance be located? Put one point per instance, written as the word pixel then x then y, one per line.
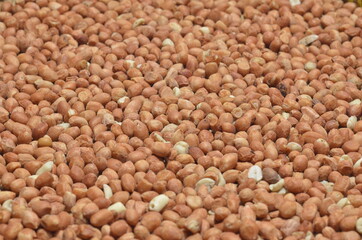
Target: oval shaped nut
pixel 128 182
pixel 228 162
pixel 45 141
pixel 241 142
pixel 194 202
pixel 45 179
pixel 161 149
pixel 351 122
pixel 158 203
pixel 181 147
pixel 77 121
pixel 256 173
pixel 102 217
pixel 249 229
pixel 69 199
pixel 355 200
pixel 293 146
pixel 47 167
pixel 30 219
pixel 359 225
pixel 208 182
pixel 107 191
pixel 276 187
pixel 117 207
pixel 6 195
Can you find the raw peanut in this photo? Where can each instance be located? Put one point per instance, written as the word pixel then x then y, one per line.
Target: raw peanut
pixel 228 162
pixel 193 224
pixel 287 209
pixel 229 235
pixel 171 232
pixel 293 146
pixel 309 211
pixel 44 179
pixel 119 228
pixel 6 195
pixel 102 217
pixel 151 220
pixel 194 201
pixel 249 230
pixel 45 141
pixel 355 200
pixel 290 226
pixel 26 233
pixel 232 223
pixel 12 229
pixel 269 231
pixel 161 149
pixel 30 219
pixel 50 222
pixel 132 217
pixel 293 185
pixel 128 182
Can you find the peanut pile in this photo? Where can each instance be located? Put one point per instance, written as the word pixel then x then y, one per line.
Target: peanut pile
pixel 180 119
